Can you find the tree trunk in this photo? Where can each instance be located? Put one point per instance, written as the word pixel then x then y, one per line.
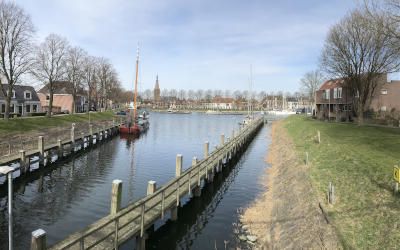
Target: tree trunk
pixel 360 113
pixel 8 103
pixel 73 103
pixel 89 102
pixel 50 100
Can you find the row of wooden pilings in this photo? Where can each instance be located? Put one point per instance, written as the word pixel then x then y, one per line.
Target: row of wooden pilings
pixel 62 148
pixel 141 222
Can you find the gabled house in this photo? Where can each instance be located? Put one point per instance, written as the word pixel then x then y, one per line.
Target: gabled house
pixel 63 99
pixel 334 100
pixel 23 102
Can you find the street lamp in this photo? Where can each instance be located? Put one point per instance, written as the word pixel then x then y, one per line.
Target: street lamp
pixel 7 171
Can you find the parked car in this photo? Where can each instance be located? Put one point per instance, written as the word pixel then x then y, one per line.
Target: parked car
pixel 122 112
pixel 300 111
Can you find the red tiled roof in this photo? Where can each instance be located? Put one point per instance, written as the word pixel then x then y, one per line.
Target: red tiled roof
pixel 330 84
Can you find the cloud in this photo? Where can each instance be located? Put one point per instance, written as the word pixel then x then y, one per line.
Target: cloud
pixel 197 44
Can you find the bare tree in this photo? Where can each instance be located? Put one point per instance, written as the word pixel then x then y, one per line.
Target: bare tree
pixel 106 76
pixel 199 95
pixel 182 94
pixel 16 31
pixel 191 94
pixel 75 72
pixel 358 50
pixel 310 83
pixel 49 63
pixel 89 77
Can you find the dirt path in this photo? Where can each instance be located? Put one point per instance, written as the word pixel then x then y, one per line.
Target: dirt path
pixel 287 214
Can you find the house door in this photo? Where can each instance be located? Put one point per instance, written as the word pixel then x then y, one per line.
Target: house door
pixel 20 109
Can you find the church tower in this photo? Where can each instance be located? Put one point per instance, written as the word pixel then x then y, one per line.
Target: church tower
pixel 157 91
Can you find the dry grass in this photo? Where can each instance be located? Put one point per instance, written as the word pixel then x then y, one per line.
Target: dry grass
pixel 287 215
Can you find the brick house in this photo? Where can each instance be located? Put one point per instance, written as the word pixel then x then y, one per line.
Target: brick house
pixel 63 99
pixel 23 102
pixel 334 100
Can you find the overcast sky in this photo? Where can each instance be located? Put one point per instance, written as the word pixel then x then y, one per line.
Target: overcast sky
pixel 197 44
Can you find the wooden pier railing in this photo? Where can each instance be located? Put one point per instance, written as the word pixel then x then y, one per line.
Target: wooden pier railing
pixel 133 220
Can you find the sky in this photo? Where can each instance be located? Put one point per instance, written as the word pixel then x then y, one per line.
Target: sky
pixel 197 44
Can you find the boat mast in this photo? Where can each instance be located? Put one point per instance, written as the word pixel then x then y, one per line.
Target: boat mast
pixel 136 82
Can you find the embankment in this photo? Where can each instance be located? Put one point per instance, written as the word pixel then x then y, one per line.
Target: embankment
pixel 287 214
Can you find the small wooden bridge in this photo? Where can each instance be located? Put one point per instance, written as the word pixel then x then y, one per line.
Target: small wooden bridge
pixel 124 223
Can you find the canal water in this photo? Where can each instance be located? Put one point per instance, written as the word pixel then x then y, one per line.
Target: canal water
pixel 68 196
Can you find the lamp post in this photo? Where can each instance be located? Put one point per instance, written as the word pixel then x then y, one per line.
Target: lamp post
pixel 7 171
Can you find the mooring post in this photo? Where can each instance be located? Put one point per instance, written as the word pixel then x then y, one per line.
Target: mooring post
pixel 222 140
pixel 60 149
pixel 116 194
pixel 206 148
pixel 151 187
pixel 23 163
pixel 41 149
pixel 178 167
pixel 73 136
pixel 38 240
pixel 83 140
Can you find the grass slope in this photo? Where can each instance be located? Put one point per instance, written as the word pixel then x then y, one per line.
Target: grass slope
pixel 359 162
pixel 24 125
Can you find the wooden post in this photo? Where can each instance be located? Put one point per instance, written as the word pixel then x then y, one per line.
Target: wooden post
pixel 73 135
pixel 222 140
pixel 23 161
pixel 38 240
pixel 319 137
pixel 41 146
pixel 116 193
pixel 206 149
pixel 83 140
pixel 60 149
pixel 306 158
pixel 178 167
pixel 151 187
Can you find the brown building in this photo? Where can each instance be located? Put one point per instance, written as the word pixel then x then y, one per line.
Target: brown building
pixel 334 100
pixel 62 98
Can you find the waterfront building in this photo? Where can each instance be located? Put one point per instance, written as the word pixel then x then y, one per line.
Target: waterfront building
pixel 24 101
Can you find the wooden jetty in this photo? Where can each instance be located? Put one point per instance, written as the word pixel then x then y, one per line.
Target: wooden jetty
pixel 44 152
pixel 135 219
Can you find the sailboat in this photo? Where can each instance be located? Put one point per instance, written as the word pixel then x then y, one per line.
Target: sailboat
pixel 250 116
pixel 135 125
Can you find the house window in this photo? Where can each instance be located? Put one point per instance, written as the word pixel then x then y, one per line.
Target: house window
pixel 13 94
pixel 3 108
pixel 327 94
pixel 47 97
pixel 335 93
pixel 384 91
pixel 12 108
pixel 34 108
pixel 28 108
pixel 339 93
pixel 28 95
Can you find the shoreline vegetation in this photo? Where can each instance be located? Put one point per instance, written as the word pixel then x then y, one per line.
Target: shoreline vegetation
pixel 357 160
pixel 287 214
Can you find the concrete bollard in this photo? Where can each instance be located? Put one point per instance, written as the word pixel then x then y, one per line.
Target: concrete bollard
pixel 178 166
pixel 206 149
pixel 116 194
pixel 222 140
pixel 38 240
pixel 151 187
pixel 319 137
pixel 41 146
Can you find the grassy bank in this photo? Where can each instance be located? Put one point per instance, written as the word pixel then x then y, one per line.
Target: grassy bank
pixel 359 162
pixel 24 125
